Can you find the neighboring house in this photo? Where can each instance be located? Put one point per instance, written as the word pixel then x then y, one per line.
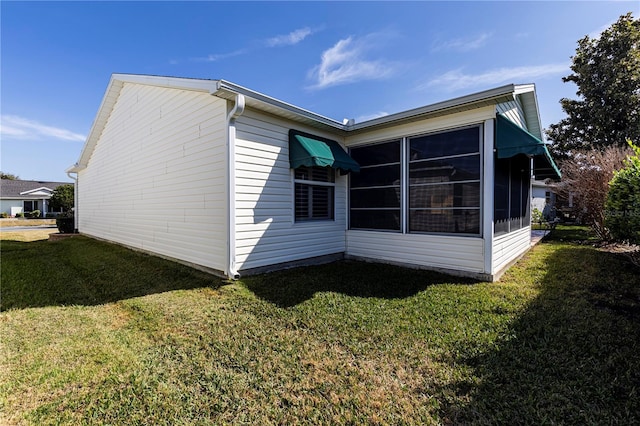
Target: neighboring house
pixel 23 196
pixel 233 181
pixel 542 195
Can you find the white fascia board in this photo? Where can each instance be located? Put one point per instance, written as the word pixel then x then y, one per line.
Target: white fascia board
pixel 492 95
pixel 32 191
pixel 196 84
pixel 224 88
pixel 532 114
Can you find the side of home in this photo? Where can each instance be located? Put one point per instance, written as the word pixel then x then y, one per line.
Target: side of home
pixel 205 172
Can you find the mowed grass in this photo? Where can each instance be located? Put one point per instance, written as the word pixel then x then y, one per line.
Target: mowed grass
pixel 27 236
pixel 96 334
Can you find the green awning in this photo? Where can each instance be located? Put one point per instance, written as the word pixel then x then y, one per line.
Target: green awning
pixel 512 140
pixel 309 150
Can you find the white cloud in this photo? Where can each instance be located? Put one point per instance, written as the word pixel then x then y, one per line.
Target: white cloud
pixel 457 79
pixel 371 116
pixel 290 39
pixel 219 56
pixel 345 63
pixel 462 44
pixel 12 126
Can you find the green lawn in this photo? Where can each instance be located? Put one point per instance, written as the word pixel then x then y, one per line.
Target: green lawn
pixel 92 333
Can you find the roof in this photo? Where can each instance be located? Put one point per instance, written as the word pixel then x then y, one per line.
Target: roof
pixel 227 90
pixel 27 189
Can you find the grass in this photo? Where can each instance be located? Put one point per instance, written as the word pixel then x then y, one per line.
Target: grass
pixel 27 236
pixel 96 334
pixel 26 222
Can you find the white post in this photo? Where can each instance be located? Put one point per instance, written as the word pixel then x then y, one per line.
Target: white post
pixel 488 173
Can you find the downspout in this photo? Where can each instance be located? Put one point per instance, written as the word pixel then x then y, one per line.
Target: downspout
pixel 75 200
pixel 236 111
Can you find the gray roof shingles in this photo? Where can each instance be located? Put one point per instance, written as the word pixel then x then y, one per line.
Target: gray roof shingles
pixel 13 188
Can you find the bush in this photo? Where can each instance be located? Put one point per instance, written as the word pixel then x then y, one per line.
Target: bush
pixel 536 216
pixel 34 214
pixel 4 215
pixel 50 215
pixel 20 214
pixel 66 224
pixel 623 201
pixel 585 177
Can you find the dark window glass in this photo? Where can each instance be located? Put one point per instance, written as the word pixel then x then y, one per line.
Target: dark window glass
pixel 452 221
pixel 376 186
pixel 375 219
pixel 445 196
pixel 376 176
pixel 314 202
pixel 511 194
pixel 438 202
pixel 463 141
pixel 383 153
pixel 375 197
pixel 445 170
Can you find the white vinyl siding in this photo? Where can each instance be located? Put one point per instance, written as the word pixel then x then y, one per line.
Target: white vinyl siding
pixel 508 247
pixel 513 111
pixel 432 251
pixel 266 232
pixel 156 179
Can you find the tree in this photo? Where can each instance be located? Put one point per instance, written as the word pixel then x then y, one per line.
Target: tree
pixel 585 177
pixel 623 201
pixel 62 197
pixel 8 176
pixel 607 72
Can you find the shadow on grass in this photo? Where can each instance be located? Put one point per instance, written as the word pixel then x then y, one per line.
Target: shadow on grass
pixel 352 278
pixel 573 357
pixel 83 271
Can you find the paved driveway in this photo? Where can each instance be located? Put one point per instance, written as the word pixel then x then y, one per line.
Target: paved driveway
pixel 26 228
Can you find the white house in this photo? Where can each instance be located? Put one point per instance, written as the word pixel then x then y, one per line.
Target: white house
pixel 24 196
pixel 542 195
pixel 233 181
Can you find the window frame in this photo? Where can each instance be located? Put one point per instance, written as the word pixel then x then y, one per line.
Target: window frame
pixel 310 184
pixel 405 186
pixel 480 180
pixel 400 187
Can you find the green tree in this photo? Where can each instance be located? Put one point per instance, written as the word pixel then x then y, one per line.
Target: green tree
pixel 62 197
pixel 8 176
pixel 623 201
pixel 606 70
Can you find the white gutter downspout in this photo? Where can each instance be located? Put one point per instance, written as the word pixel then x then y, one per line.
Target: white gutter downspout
pixel 235 112
pixel 75 200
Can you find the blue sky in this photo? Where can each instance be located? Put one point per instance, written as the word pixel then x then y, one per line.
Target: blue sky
pixel 342 60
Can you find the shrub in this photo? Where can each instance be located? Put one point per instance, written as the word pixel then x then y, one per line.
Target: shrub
pixel 65 224
pixel 34 214
pixel 4 215
pixel 51 215
pixel 536 216
pixel 20 214
pixel 623 201
pixel 586 176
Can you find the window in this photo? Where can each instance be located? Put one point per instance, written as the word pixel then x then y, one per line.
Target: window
pixel 429 183
pixel 375 192
pixel 314 193
pixel 511 194
pixel 29 206
pixel 444 182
